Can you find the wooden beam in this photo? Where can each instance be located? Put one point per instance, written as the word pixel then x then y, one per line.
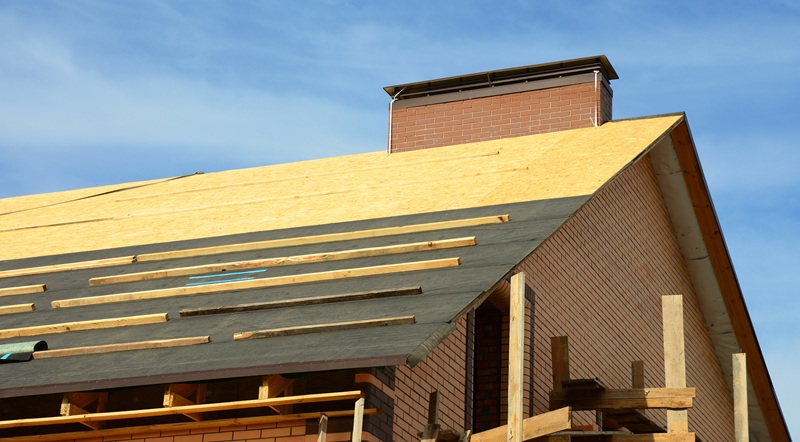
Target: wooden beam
pixel 80 265
pixel 17 308
pixel 516 356
pixel 289 303
pixel 559 346
pixel 200 408
pixel 674 358
pixel 532 427
pixel 617 399
pixel 431 431
pixel 740 422
pixel 74 404
pixel 83 325
pixel 184 426
pixel 324 238
pixel 125 346
pixel 318 328
pixel 637 374
pixel 608 436
pixel 23 290
pixel 260 283
pixel 287 260
pixel 175 396
pixel 273 386
pixel 322 434
pixel 358 420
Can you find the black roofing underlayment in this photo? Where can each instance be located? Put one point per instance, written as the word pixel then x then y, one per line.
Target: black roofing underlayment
pixel 446 292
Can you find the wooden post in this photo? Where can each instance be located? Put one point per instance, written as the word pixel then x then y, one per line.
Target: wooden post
pixel 516 356
pixel 431 431
pixel 674 358
pixel 559 347
pixel 358 420
pixel 637 374
pixel 740 423
pixel 322 434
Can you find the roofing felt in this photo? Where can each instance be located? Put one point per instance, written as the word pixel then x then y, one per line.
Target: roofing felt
pixel 325 191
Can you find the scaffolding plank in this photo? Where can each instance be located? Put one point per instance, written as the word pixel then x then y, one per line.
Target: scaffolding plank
pixel 616 399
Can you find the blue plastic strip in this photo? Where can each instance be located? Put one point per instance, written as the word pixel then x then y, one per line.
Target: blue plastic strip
pixel 5 356
pixel 248 272
pixel 220 281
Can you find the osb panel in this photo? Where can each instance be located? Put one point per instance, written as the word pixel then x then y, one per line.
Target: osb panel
pixel 623 256
pixel 349 188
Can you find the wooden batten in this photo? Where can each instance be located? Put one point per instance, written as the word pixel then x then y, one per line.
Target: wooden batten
pixel 125 346
pixel 260 283
pixel 23 289
pixel 94 324
pixel 81 265
pixel 287 260
pixel 318 328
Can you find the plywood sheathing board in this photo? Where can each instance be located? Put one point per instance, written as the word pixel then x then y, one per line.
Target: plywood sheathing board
pixel 558 164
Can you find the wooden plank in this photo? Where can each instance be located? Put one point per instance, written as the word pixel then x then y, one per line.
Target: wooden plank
pixel 23 290
pixel 80 265
pixel 125 346
pixel 184 426
pixel 532 427
pixel 358 420
pixel 637 374
pixel 516 356
pixel 740 423
pixel 608 436
pixel 288 303
pixel 559 346
pixel 287 260
pixel 200 408
pixel 324 238
pixel 17 308
pixel 319 328
pixel 259 283
pixel 669 398
pixel 83 325
pixel 674 358
pixel 322 434
pixel 431 431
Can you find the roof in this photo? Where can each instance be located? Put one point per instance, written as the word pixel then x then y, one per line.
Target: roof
pixel 362 260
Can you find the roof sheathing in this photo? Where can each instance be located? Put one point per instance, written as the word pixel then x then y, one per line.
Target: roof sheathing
pixel 326 191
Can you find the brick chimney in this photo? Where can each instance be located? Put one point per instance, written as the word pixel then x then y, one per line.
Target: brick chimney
pixel 499 104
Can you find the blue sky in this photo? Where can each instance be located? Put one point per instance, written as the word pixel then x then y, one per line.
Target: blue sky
pixel 100 92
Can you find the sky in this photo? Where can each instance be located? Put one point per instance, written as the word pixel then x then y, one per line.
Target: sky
pixel 102 92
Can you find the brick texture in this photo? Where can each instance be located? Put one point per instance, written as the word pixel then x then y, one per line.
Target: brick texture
pixel 599 280
pixel 444 370
pixel 501 116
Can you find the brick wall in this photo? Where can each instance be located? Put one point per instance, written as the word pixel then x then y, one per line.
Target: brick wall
pixel 599 281
pixel 500 116
pixel 445 370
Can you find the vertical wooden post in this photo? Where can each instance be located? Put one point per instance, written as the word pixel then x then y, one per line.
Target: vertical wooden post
pixel 358 420
pixel 674 358
pixel 740 397
pixel 637 374
pixel 559 348
pixel 431 431
pixel 516 356
pixel 323 428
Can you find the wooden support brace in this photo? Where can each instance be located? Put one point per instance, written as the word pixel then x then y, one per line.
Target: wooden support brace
pixel 431 431
pixel 358 420
pixel 532 427
pixel 274 386
pixel 637 374
pixel 76 404
pixel 516 356
pixel 322 434
pixel 740 422
pixel 674 358
pixel 176 395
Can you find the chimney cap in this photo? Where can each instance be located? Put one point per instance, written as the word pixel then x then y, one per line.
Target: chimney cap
pixel 504 76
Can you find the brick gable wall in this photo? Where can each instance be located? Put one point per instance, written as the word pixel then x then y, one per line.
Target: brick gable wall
pixel 499 116
pixel 599 280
